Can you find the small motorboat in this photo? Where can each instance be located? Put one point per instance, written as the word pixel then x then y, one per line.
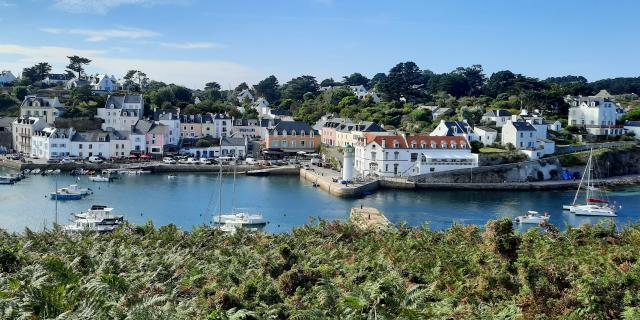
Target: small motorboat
pixel 35 171
pixel 532 217
pixel 171 176
pixel 72 192
pixel 5 180
pixel 99 178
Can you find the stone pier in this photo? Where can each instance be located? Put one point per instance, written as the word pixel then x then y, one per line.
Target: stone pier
pixel 368 218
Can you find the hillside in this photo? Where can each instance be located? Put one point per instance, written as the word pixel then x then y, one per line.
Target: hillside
pixel 325 271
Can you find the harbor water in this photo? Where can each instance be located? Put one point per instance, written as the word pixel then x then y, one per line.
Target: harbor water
pixel 286 201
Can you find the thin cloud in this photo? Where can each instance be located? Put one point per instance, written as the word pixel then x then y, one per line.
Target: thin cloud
pixel 106 34
pixel 193 45
pixel 104 6
pixel 6 4
pixel 193 74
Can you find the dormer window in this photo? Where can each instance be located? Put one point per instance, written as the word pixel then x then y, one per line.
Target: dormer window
pixel 453 145
pixel 396 144
pixel 444 144
pixel 293 132
pixel 434 145
pixel 414 144
pixel 302 133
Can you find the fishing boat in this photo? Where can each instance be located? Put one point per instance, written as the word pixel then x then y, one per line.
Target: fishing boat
pixel 532 217
pixel 97 219
pixel 35 171
pixel 99 178
pixel 72 192
pixel 596 202
pixel 6 180
pixel 171 176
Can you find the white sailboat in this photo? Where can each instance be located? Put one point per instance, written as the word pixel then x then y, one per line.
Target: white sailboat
pixel 595 204
pixel 238 218
pixel 97 219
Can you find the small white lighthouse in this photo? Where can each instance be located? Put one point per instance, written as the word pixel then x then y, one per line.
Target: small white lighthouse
pixel 347 163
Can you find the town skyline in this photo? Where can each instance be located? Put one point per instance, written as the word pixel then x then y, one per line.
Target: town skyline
pixel 237 44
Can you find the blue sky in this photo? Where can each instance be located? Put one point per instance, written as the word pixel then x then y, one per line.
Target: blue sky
pixel 191 42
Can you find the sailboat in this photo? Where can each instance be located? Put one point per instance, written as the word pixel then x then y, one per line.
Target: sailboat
pixel 595 204
pixel 238 218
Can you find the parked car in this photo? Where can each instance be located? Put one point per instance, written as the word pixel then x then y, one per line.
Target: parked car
pixel 67 160
pixel 169 160
pixel 53 161
pixel 95 159
pixel 205 161
pixel 188 161
pixel 250 161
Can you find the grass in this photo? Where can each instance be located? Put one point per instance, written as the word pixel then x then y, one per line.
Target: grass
pixel 491 150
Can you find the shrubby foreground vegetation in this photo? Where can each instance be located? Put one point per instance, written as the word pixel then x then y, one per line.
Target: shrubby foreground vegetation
pixel 329 270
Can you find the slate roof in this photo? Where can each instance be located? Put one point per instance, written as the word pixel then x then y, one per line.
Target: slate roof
pixel 226 141
pixel 6 121
pixel 59 76
pixel 632 123
pixel 166 114
pixel 91 136
pixel 487 129
pixel 297 126
pixel 523 126
pixel 119 100
pixel 459 125
pixel 43 101
pixel 159 129
pixel 368 126
pixel 142 127
pixel 498 113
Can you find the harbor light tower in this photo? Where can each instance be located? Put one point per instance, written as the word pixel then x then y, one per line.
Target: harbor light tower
pixel 347 163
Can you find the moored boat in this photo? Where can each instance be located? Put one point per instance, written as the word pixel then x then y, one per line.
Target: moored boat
pixel 99 178
pixel 242 219
pixel 532 217
pixel 98 218
pixel 72 192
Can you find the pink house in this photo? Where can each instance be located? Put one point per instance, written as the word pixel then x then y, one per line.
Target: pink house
pixel 158 138
pixel 328 132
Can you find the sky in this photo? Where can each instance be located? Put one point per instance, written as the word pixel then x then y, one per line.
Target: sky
pixel 191 42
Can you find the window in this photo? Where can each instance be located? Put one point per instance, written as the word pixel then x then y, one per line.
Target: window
pixel 285 143
pixel 414 157
pixel 90 146
pixel 275 143
pixel 293 132
pixel 80 146
pixel 312 144
pixel 302 143
pixel 396 155
pixel 386 167
pixel 434 145
pixel 293 144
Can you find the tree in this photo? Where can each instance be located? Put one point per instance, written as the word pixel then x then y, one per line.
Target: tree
pixel 355 79
pixel 242 86
pixel 500 82
pixel 81 94
pixel 20 92
pixel 202 143
pixel 472 115
pixel 403 80
pixel 42 70
pixel 421 114
pixel 77 64
pixel 297 87
pixel 474 78
pixel 329 82
pixel 268 89
pixel 476 146
pixel 376 80
pixel 163 96
pixel 212 86
pixel 182 94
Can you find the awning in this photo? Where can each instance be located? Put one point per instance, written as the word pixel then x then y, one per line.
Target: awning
pixel 145 156
pixel 301 153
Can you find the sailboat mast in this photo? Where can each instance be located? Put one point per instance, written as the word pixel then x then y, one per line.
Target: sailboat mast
pixel 220 177
pixel 233 196
pixel 584 173
pixel 56 194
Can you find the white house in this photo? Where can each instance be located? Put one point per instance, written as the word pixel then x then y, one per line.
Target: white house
pixel 171 119
pixel 6 77
pixel 103 83
pixel 51 143
pixel 138 136
pixel 54 79
pixel 229 147
pixel 361 92
pixel 400 155
pixel 22 131
pixel 120 112
pixel 90 143
pixel 41 107
pixel 521 134
pixel 262 106
pixel 76 83
pixel 499 116
pixel 454 128
pixel 554 125
pixel 597 115
pixel 486 135
pixel 222 125
pixel 633 127
pixel 244 95
pixel 536 121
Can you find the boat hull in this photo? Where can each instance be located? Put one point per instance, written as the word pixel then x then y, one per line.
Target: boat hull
pixel 57 196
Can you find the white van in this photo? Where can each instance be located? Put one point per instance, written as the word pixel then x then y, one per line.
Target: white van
pixel 95 159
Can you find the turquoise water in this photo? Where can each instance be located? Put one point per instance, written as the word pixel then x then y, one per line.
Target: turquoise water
pixel 191 199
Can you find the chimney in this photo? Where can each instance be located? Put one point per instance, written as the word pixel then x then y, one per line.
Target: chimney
pixel 384 143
